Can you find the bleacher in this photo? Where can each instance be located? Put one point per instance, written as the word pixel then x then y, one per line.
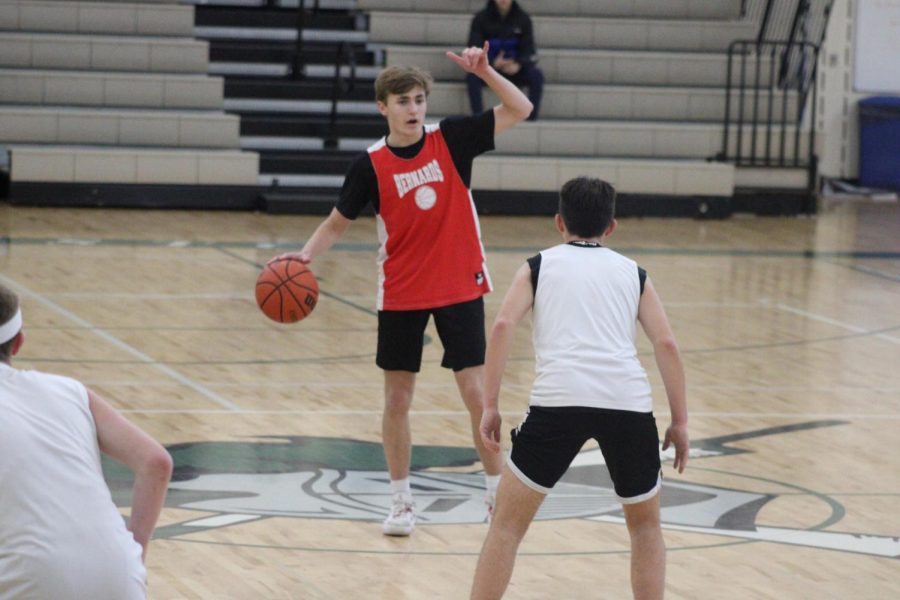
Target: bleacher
pixel 635 93
pixel 99 95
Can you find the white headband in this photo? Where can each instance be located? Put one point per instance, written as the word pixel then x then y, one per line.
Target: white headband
pixel 9 329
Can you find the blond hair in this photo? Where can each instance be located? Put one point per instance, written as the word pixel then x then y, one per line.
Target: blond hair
pixel 399 80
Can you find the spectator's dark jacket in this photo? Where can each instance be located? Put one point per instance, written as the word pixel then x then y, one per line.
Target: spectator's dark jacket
pixel 513 34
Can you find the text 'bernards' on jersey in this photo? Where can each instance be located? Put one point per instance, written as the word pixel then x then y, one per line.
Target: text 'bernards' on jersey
pixel 409 181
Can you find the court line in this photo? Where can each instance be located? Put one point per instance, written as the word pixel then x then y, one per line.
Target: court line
pixel 263 383
pixel 866 271
pixel 841 324
pixel 347 359
pixel 248 295
pixel 209 394
pixel 464 413
pixel 435 553
pixel 370 247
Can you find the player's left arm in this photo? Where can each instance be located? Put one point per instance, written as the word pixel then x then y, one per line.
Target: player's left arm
pixel 514 105
pixel 151 463
pixel 652 317
pixel 516 303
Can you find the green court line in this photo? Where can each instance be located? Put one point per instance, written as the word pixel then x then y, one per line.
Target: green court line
pixel 371 355
pixel 366 247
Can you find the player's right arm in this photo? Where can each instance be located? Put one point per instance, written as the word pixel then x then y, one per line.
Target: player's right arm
pixel 360 187
pixel 653 320
pixel 150 462
pixel 327 233
pixel 514 105
pixel 516 303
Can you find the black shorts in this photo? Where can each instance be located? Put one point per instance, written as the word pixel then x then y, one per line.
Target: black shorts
pixel 401 335
pixel 548 439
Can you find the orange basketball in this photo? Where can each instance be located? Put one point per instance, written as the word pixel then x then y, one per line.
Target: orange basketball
pixel 286 290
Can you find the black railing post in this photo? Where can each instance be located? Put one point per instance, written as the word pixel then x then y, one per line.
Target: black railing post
pixel 754 126
pixel 740 111
pixel 813 169
pixel 764 24
pixel 297 62
pixel 771 107
pixel 726 125
pixel 344 53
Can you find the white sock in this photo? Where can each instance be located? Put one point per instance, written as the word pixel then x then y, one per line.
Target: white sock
pixel 401 486
pixel 491 482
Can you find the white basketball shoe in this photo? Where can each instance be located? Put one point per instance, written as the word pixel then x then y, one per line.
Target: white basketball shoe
pixel 402 519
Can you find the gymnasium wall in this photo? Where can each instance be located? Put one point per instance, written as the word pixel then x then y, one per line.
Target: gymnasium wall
pixel 838 116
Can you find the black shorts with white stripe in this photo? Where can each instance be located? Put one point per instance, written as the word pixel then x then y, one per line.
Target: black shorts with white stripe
pixel 549 438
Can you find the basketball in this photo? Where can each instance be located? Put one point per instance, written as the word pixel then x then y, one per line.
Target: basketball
pixel 286 290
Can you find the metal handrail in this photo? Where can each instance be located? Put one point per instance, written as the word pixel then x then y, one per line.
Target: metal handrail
pixel 297 59
pixel 777 122
pixel 782 60
pixel 340 85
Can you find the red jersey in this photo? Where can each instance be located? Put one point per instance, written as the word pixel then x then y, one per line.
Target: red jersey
pixel 431 253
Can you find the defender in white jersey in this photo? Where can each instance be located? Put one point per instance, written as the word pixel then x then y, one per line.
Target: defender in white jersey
pixel 586 302
pixel 61 535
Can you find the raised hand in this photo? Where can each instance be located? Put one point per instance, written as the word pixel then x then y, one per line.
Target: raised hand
pixel 473 60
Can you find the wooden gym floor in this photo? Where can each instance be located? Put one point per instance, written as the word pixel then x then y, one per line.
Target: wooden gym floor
pixel 790 331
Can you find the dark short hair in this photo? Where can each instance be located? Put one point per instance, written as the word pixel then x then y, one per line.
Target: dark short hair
pixel 9 304
pixel 587 206
pixel 399 80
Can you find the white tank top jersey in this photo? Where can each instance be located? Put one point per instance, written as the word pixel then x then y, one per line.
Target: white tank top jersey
pixel 61 535
pixel 585 321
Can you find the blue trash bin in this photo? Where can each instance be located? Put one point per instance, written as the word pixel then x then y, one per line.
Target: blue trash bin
pixel 879 142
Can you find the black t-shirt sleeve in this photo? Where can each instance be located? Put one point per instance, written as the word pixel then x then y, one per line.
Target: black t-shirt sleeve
pixel 360 188
pixel 467 137
pixel 535 263
pixel 642 276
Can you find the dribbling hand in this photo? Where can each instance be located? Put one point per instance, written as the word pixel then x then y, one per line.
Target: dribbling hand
pixel 301 256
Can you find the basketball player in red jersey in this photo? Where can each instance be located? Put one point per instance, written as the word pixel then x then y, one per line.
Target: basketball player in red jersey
pixel 430 261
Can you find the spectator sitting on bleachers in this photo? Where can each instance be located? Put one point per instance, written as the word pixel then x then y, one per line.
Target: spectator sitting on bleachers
pixel 508 28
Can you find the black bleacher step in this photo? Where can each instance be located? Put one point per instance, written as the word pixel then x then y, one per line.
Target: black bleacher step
pixel 298 201
pixel 305 163
pixel 260 125
pixel 223 16
pixel 289 89
pixel 282 53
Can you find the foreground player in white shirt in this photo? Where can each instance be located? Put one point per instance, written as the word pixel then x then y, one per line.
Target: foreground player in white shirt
pixel 586 302
pixel 61 535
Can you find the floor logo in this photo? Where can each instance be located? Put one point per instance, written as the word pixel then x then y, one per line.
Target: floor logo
pixel 337 478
